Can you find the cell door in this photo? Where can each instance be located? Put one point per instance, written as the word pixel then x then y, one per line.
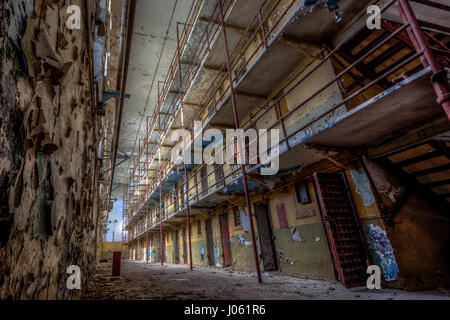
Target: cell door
pixel 204 179
pixel 185 254
pixel 218 174
pixel 225 235
pixel 176 247
pixel 266 237
pixel 209 242
pixel 348 249
pixel 163 251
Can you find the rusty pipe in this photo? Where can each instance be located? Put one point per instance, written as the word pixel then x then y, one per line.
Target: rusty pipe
pixel 184 150
pixel 236 122
pixel 130 14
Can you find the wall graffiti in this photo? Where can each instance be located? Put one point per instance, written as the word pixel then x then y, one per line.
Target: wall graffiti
pixel 202 254
pixel 382 251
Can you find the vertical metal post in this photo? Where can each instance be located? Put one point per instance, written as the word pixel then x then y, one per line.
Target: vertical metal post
pixel 147 187
pixel 236 122
pixel 150 248
pixel 196 187
pixel 439 78
pixel 138 245
pixel 146 241
pixel 207 38
pixel 159 179
pixel 223 175
pixel 280 115
pixel 186 180
pixel 160 185
pixel 263 32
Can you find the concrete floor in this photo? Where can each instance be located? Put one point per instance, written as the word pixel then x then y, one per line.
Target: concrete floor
pixel 140 280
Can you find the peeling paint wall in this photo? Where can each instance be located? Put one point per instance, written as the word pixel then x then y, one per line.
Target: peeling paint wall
pixel 300 241
pixel 301 245
pixel 382 251
pixel 418 234
pixel 362 184
pixel 48 155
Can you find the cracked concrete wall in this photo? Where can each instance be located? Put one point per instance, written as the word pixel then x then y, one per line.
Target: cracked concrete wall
pixel 48 152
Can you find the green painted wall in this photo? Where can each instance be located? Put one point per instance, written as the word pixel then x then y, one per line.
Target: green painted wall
pixel 303 251
pixel 169 254
pixel 242 252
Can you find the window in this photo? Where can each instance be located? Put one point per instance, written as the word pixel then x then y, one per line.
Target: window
pixel 218 174
pixel 240 70
pixel 182 196
pixel 235 168
pixel 302 192
pixel 237 217
pixel 199 227
pixel 175 200
pixel 204 179
pixel 163 209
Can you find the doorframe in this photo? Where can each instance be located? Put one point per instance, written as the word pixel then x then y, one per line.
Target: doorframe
pixel 209 245
pixel 225 213
pixel 337 268
pixel 176 246
pixel 184 245
pixel 269 219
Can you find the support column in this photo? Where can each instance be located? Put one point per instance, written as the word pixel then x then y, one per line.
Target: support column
pixel 161 239
pixel 236 122
pixel 146 175
pixel 138 244
pixel 146 245
pixel 186 180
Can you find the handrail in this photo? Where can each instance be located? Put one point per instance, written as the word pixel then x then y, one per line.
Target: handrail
pixel 248 42
pixel 420 52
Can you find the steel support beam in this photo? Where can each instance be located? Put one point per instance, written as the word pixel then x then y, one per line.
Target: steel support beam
pixel 236 122
pixel 186 180
pixel 122 79
pixel 161 238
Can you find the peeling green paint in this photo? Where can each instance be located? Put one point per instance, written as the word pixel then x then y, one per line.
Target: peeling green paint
pixel 307 258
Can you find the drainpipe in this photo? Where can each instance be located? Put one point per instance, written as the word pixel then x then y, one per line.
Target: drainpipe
pixel 439 77
pixel 236 123
pixel 184 150
pixel 122 79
